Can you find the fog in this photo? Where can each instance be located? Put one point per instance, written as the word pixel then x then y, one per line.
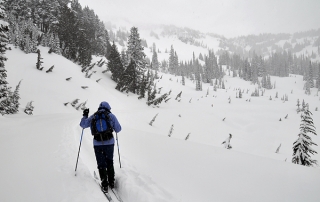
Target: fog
pixel 228 17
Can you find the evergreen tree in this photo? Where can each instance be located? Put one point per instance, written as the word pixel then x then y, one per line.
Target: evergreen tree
pixel 127 80
pixel 222 85
pixel 268 85
pixel 143 86
pixel 137 56
pixel 15 99
pixel 54 44
pixel 240 94
pixel 171 61
pixel 157 101
pixel 29 108
pixel 198 78
pixel 302 146
pixel 176 63
pixel 39 62
pixel 115 64
pixel 151 95
pixel 310 76
pixel 4 89
pixel 124 58
pixel 155 62
pixel 298 105
pixel 183 81
pixel 307 87
pixel 84 55
pixel 318 79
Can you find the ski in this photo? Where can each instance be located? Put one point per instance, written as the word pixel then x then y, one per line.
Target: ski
pixel 96 179
pixel 116 194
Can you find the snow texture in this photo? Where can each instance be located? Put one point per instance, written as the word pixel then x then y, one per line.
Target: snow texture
pixel 38 153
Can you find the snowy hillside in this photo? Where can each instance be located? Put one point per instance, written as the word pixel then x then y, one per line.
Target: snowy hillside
pixel 187 41
pixel 38 153
pixel 184 41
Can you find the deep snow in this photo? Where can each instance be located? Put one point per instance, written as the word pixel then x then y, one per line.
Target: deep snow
pixel 38 153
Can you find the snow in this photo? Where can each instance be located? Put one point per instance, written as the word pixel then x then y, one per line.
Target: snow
pixel 38 153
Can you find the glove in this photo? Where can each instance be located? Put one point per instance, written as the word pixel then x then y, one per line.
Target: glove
pixel 86 112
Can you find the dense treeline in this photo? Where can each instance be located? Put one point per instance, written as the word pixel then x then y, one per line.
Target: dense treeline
pixel 63 25
pixel 68 29
pixel 9 100
pixel 207 69
pixel 77 33
pixel 277 64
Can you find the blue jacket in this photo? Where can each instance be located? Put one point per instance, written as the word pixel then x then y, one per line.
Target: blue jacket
pixel 86 122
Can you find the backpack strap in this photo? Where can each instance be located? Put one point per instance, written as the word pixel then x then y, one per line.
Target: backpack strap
pixel 108 119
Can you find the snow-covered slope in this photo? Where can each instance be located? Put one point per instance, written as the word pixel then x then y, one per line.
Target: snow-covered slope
pixel 38 153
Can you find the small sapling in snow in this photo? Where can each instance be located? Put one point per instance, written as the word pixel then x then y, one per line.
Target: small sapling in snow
pixel 50 69
pixel 187 136
pixel 74 102
pixel 153 119
pixel 29 108
pixel 179 95
pixel 227 142
pixel 171 130
pixel 278 149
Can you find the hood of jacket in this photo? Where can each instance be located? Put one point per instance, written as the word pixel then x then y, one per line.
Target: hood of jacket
pixel 104 105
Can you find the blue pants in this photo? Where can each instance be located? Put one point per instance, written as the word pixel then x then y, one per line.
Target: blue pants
pixel 104 155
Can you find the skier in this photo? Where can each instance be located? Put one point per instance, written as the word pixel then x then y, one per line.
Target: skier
pixel 103 144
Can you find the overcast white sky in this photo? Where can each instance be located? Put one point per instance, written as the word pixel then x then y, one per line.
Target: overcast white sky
pixel 230 18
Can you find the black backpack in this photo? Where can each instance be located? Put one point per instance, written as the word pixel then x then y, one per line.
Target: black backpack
pixel 100 126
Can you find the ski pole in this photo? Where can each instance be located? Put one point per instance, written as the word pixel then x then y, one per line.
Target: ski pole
pixel 118 149
pixel 78 153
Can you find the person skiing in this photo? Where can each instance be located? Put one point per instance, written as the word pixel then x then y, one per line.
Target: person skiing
pixel 103 142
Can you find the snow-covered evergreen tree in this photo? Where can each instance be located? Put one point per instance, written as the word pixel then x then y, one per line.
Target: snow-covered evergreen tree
pixel 155 62
pixel 307 87
pixel 127 81
pixel 39 62
pixel 14 99
pixel 144 85
pixel 29 108
pixel 298 105
pixel 171 61
pixel 54 44
pixel 176 63
pixel 310 77
pixel 318 79
pixel 137 56
pixel 4 89
pixel 151 94
pixel 114 64
pixel 302 146
pixel 124 58
pixel 158 101
pixel 198 78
